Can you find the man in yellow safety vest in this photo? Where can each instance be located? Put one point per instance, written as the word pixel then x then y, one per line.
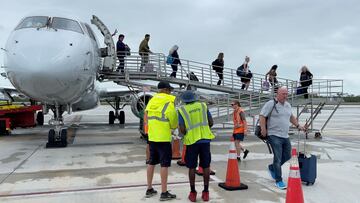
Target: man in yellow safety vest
pixel 161 119
pixel 194 123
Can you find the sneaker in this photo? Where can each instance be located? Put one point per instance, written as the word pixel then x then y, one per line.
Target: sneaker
pixel 167 196
pixel 246 152
pixel 239 158
pixel 192 196
pixel 205 196
pixel 281 185
pixel 272 173
pixel 150 192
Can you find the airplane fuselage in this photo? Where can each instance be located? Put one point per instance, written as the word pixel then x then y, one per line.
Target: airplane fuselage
pixel 54 61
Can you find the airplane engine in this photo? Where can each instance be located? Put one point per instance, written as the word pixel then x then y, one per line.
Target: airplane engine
pixel 137 102
pixel 89 101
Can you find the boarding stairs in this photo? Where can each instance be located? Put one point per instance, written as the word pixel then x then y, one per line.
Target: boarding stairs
pixel 322 92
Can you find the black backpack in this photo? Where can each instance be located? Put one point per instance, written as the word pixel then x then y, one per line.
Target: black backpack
pixel 240 71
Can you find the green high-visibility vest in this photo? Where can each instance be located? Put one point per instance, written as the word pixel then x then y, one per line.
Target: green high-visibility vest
pixel 196 122
pixel 162 117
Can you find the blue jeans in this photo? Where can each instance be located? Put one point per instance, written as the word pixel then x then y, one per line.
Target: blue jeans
pixel 282 153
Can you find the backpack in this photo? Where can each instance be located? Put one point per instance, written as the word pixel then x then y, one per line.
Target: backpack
pixel 214 65
pixel 169 60
pixel 306 79
pixel 240 71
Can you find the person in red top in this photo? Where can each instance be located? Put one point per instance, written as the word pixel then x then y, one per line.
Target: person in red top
pixel 240 128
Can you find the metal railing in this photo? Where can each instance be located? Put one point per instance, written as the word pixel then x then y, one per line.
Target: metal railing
pixel 251 99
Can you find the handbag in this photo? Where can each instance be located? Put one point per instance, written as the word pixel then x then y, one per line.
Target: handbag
pixel 265 85
pixel 257 131
pixel 169 60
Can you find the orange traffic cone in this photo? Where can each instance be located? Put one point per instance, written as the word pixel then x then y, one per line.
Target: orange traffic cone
pixel 182 161
pixel 176 149
pixel 294 193
pixel 232 174
pixel 200 171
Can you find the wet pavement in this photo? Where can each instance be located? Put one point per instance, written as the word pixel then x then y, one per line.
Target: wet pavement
pixel 106 163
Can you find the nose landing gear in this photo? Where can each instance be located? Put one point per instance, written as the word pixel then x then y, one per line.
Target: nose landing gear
pixel 57 137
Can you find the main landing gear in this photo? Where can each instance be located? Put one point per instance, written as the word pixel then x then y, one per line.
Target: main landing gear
pixel 57 137
pixel 118 114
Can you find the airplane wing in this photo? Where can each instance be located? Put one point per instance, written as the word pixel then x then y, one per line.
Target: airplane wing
pixel 106 93
pixel 10 92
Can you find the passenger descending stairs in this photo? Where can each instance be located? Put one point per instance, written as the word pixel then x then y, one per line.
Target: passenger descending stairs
pixel 321 93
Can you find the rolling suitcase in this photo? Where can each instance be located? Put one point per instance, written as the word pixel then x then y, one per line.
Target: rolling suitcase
pixel 307 165
pixel 192 76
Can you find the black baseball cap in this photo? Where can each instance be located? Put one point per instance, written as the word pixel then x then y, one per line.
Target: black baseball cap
pixel 164 85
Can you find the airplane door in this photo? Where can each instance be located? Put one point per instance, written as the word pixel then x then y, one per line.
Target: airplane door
pixel 109 62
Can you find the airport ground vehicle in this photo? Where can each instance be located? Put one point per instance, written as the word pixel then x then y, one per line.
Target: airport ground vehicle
pixel 14 116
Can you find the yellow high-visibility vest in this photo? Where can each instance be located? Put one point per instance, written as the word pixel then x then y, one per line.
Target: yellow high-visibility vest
pixel 196 122
pixel 162 117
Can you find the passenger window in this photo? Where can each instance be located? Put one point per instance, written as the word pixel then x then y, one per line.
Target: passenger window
pixel 33 22
pixel 66 24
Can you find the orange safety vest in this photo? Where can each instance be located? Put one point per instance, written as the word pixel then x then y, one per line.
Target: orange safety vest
pixel 145 122
pixel 238 121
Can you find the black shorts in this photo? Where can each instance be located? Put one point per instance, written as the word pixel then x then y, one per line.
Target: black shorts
pixel 194 151
pixel 238 136
pixel 160 152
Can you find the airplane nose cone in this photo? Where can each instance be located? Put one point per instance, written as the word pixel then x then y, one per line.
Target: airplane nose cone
pixel 38 56
pixel 45 67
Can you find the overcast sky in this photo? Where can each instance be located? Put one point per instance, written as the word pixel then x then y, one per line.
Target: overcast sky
pixel 323 34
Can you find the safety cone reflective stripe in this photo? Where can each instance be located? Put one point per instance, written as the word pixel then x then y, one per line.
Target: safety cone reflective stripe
pixel 294 172
pixel 232 174
pixel 176 149
pixel 294 193
pixel 182 161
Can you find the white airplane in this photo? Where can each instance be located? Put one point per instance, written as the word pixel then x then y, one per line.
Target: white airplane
pixel 54 58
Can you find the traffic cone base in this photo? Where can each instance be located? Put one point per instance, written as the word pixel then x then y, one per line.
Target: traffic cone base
pixel 181 163
pixel 199 171
pixel 241 187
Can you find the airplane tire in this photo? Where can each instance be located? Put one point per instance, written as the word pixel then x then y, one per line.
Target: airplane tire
pixel 63 137
pixel 111 117
pixel 40 118
pixel 51 136
pixel 122 117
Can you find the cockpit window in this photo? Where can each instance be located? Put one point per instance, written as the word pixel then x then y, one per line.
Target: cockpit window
pixel 66 24
pixel 33 22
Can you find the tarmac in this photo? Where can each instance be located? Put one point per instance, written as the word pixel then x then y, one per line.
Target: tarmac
pixel 106 163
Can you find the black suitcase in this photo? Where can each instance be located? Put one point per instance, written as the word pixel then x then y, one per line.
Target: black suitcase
pixel 307 167
pixel 192 76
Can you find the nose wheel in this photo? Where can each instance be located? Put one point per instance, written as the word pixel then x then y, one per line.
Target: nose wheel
pixel 57 138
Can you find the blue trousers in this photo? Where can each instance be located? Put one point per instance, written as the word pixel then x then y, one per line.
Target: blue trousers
pixel 282 153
